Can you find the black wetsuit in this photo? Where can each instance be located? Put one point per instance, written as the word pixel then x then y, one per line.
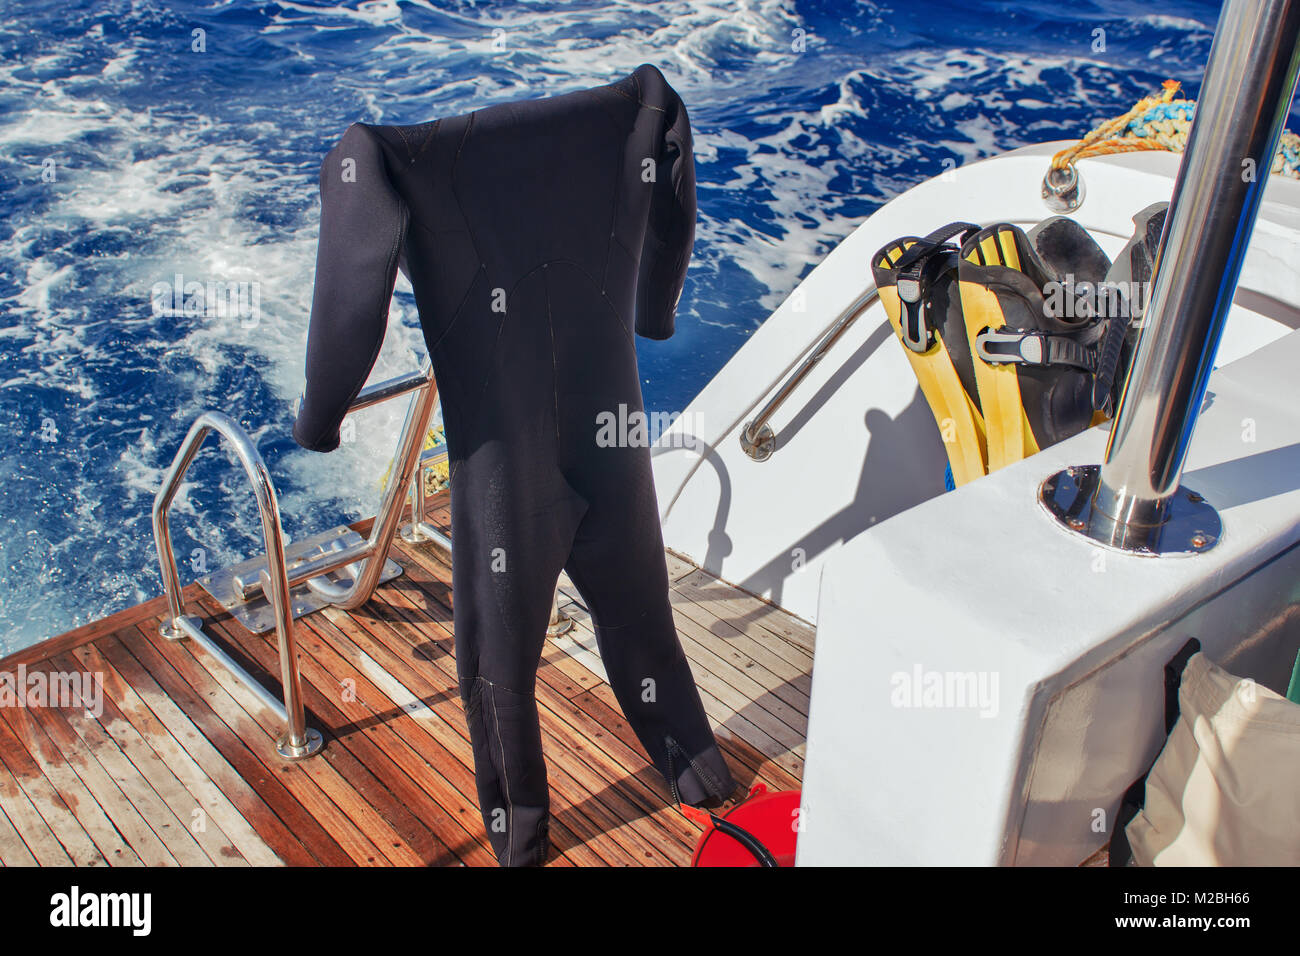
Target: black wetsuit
pixel 538 237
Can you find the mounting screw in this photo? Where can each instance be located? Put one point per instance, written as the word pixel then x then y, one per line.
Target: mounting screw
pixel 1077 524
pixel 1200 540
pixel 1194 498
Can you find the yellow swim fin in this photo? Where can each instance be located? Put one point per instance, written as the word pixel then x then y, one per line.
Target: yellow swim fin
pixel 916 278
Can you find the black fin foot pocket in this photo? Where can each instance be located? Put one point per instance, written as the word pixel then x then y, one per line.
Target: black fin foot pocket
pixel 1067 249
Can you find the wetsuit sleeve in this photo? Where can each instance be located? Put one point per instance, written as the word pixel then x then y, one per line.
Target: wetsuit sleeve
pixel 670 232
pixel 362 228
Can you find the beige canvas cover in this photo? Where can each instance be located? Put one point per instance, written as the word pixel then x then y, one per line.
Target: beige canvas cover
pixel 1225 791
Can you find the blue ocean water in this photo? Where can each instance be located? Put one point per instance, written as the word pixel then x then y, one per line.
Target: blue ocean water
pixel 141 140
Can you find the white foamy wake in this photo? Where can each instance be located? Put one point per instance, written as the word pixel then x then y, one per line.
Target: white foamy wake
pixel 798 138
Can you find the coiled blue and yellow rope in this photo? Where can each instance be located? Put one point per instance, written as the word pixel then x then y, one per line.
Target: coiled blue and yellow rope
pixel 1162 122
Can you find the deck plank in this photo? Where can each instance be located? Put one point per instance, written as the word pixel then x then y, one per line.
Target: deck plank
pixel 220 829
pixel 223 759
pixel 316 783
pixel 130 707
pixel 730 713
pixel 150 782
pixel 116 804
pixel 732 668
pixel 359 757
pixel 135 786
pixel 747 614
pixel 244 749
pixel 34 832
pixel 416 766
pixel 62 822
pixel 13 851
pixel 45 754
pixel 395 782
pixel 775 655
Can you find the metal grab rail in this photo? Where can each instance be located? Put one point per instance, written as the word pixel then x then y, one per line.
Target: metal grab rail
pixel 756 437
pixel 298 740
pixel 408 461
pixel 274 580
pixel 419 530
pixel 411 460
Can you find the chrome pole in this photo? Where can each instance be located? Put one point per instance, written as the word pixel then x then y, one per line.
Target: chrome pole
pixel 420 531
pixel 1249 82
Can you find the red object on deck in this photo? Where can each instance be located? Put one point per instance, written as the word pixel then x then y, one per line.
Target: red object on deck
pixel 771 817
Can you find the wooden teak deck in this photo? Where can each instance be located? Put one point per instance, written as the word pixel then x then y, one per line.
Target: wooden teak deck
pixel 180 766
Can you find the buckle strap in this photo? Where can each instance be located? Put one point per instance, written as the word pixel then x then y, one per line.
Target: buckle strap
pixel 918 269
pixel 1039 349
pixel 913 287
pixel 935 241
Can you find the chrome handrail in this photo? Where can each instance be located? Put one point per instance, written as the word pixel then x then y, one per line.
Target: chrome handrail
pixel 391 388
pixel 409 464
pixel 420 531
pixel 409 460
pixel 298 740
pixel 756 438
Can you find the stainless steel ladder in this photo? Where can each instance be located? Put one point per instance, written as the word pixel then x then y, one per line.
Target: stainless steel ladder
pixel 271 577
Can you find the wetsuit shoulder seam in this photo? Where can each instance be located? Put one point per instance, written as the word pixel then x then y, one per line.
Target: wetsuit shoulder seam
pixel 428 137
pixel 614 88
pixel 455 165
pixel 405 142
pixel 469 231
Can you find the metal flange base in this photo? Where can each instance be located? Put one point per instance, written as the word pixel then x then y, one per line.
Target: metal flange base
pixel 1191 525
pixel 312 747
pixel 761 445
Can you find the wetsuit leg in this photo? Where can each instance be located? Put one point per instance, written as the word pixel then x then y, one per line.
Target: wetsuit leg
pixel 618 566
pixel 617 553
pixel 503 574
pixel 513 519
